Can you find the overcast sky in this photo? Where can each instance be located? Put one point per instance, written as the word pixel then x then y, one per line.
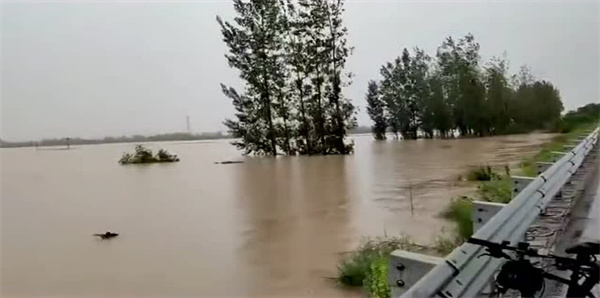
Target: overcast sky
pixel 85 69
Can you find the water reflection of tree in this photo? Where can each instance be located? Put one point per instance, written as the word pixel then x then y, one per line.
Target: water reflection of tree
pixel 295 214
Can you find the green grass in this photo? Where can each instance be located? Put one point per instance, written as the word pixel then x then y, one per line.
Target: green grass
pixel 480 173
pixel 368 265
pixel 375 281
pixel 528 166
pixel 497 190
pixel 445 244
pixel 356 266
pixel 459 211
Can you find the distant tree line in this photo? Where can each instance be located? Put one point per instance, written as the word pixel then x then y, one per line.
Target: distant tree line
pixel 291 56
pixel 420 95
pixel 589 113
pixel 124 139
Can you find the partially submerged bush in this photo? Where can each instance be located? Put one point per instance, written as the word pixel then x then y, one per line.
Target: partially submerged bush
pixel 358 266
pixel 481 174
pixel 497 190
pixel 368 265
pixel 144 155
pixel 445 244
pixel 459 211
pixel 375 281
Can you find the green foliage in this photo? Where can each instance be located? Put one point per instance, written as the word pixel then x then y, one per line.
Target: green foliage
pixel 497 190
pixel 144 155
pixel 459 211
pixel 375 281
pixel 455 91
pixel 445 244
pixel 375 109
pixel 481 174
pixel 528 165
pixel 357 265
pixel 368 265
pixel 125 158
pixel 589 113
pixel 291 56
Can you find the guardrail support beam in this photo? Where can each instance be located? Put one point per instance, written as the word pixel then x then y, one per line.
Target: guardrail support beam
pixel 406 268
pixel 519 183
pixel 482 212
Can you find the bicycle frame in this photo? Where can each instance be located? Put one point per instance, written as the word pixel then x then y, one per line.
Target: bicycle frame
pixel 581 264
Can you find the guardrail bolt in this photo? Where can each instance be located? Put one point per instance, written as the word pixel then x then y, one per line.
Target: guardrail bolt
pixel 400 283
pixel 400 267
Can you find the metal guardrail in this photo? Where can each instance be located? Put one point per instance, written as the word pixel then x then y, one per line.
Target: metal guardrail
pixel 465 272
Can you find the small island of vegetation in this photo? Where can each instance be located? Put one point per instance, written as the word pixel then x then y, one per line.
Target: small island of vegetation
pixel 144 155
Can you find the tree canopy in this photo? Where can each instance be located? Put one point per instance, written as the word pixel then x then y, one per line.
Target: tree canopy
pixel 455 92
pixel 291 56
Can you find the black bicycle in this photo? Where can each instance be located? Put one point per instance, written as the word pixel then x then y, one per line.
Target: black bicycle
pixel 520 274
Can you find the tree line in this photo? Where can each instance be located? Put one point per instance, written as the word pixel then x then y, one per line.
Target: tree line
pixel 291 56
pixel 178 136
pixel 589 113
pixel 454 91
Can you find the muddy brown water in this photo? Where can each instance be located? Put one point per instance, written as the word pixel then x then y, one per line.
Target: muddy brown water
pixel 266 227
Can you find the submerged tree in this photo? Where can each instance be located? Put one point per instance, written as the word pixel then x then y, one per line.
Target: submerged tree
pixel 291 56
pixel 375 109
pixel 255 49
pixel 342 111
pixel 453 92
pixel 144 155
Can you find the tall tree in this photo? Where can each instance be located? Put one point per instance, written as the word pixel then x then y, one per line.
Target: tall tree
pixel 390 93
pixel 375 109
pixel 498 95
pixel 249 127
pixel 299 64
pixel 313 16
pixel 421 110
pixel 291 56
pixel 455 93
pixel 342 110
pixel 439 106
pixel 255 49
pixel 325 45
pixel 459 65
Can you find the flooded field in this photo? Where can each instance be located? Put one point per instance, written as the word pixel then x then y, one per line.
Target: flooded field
pixel 265 227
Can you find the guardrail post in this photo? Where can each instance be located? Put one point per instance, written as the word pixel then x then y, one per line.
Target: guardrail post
pixel 519 183
pixel 482 212
pixel 406 268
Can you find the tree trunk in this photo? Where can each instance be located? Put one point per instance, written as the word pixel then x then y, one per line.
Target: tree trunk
pixel 286 134
pixel 267 106
pixel 339 123
pixel 321 121
pixel 306 128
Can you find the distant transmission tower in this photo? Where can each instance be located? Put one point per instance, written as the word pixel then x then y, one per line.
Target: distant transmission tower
pixel 187 121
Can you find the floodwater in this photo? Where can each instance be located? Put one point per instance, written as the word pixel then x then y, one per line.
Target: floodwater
pixel 266 227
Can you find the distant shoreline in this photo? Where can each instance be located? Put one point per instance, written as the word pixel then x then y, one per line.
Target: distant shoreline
pixel 64 142
pixel 172 137
pixel 168 137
